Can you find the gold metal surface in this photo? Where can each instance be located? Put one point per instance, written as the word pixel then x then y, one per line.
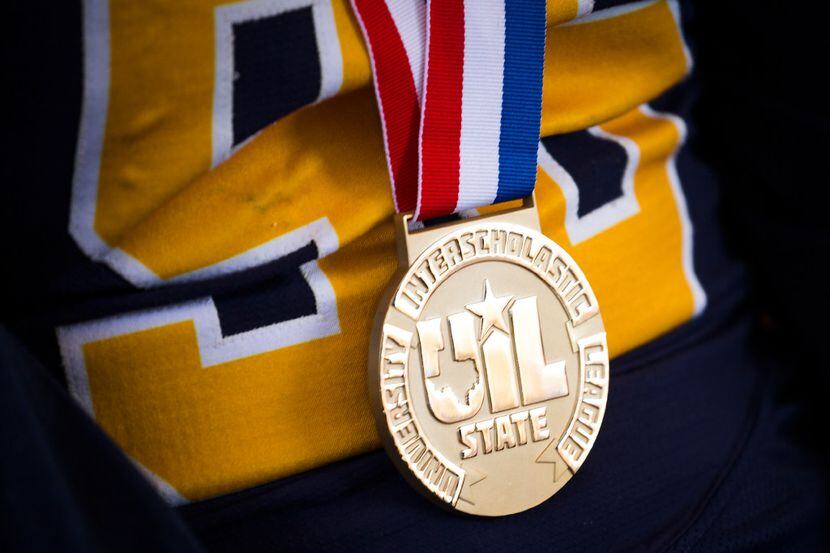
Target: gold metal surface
pixel 488 368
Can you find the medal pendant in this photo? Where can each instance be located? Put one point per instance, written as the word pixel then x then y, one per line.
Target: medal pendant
pixel 488 367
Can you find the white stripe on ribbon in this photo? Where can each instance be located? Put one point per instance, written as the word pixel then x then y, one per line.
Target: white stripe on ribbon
pixel 410 19
pixel 481 102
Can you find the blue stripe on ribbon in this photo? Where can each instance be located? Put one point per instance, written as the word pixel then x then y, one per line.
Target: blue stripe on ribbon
pixel 521 106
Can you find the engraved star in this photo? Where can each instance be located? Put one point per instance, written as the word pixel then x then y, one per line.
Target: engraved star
pixel 491 310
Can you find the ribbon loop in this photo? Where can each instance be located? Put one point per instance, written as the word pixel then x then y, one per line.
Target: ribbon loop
pixel 471 140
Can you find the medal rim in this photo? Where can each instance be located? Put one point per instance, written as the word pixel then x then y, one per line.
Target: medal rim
pixel 386 303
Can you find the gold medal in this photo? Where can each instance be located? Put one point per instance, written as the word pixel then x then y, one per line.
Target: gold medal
pixel 488 368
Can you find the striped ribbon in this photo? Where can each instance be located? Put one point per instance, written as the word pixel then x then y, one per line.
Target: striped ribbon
pixel 459 86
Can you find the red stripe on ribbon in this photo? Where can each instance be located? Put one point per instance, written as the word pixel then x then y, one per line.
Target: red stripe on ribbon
pixel 399 109
pixel 441 125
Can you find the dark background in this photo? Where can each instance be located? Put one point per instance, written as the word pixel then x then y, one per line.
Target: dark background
pixel 764 123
